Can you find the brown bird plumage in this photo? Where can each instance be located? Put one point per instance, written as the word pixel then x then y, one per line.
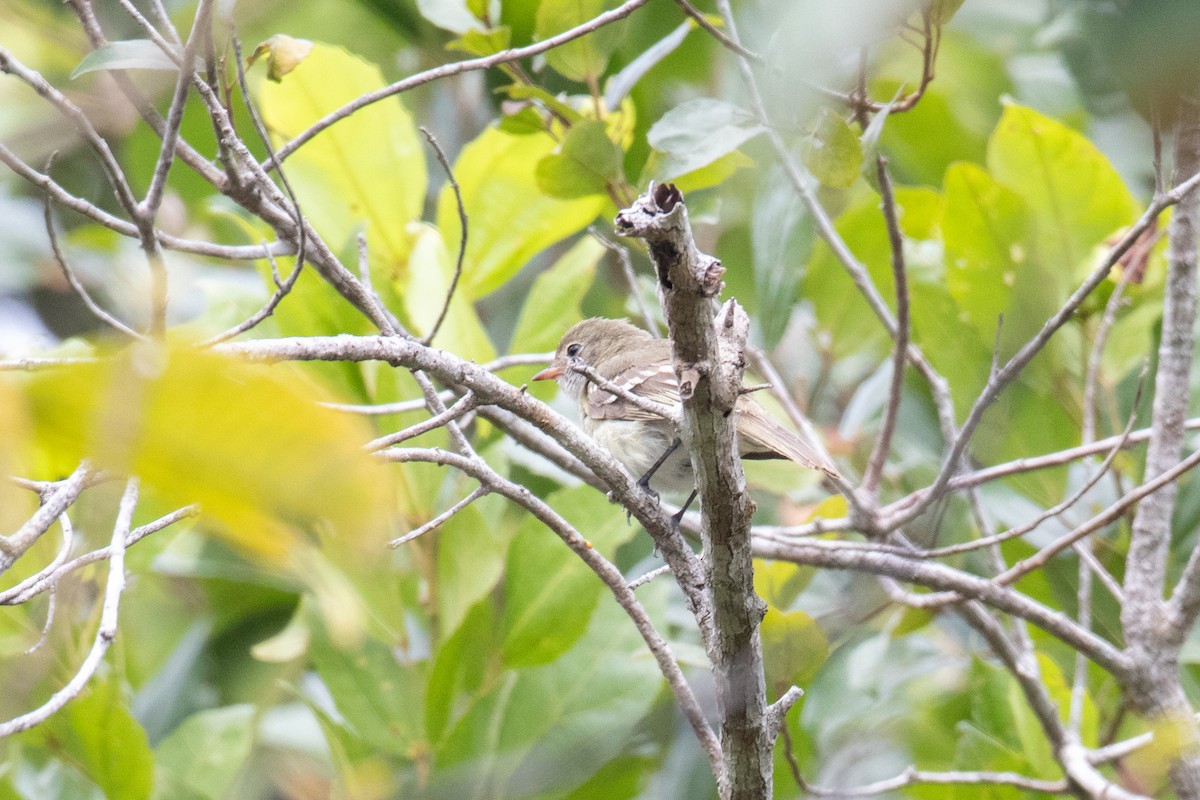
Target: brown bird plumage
pixel 632 358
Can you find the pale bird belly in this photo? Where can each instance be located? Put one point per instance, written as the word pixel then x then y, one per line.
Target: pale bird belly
pixel 637 446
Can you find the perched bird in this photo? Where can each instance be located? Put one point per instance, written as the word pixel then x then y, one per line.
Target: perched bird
pixel 645 442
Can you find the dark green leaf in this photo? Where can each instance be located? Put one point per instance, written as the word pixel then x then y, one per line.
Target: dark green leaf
pixel 584 164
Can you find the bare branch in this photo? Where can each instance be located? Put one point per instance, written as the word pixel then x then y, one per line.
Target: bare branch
pixel 445 70
pixel 604 569
pixel 440 519
pixel 462 241
pixel 105 633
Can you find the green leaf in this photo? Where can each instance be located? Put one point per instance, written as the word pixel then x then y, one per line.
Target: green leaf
pixel 367 170
pixel 1076 196
pixel 697 133
pixel 714 174
pixel 549 592
pixel 107 743
pixel 200 760
pixel 431 270
pixel 585 163
pixel 782 235
pixel 955 116
pixel 511 220
pixel 521 91
pixel 583 59
pixel 537 732
pixel 470 558
pixel 382 699
pixel 986 230
pixel 482 43
pixel 941 11
pixel 794 648
pixel 832 152
pixel 127 54
pixel 459 668
pixel 553 303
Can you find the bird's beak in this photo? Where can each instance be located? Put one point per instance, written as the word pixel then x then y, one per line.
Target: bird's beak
pixel 550 373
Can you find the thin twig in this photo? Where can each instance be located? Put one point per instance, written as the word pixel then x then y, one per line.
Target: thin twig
pixel 622 254
pixel 440 519
pixel 282 288
pixel 716 32
pixel 106 631
pixel 512 54
pixel 883 442
pixel 462 241
pixel 461 406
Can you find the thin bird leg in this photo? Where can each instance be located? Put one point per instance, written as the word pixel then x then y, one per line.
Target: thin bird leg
pixel 644 481
pixel 677 517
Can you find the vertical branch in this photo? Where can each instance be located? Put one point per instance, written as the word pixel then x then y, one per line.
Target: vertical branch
pixel 708 354
pixel 870 482
pixel 1153 685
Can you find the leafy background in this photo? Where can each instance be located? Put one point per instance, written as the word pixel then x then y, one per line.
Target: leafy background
pixel 275 649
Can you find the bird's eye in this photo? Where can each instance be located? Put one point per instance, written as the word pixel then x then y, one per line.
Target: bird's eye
pixel 573 349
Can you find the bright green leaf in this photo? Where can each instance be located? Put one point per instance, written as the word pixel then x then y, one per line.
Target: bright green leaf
pixel 562 108
pixel 482 43
pixel 553 302
pixel 365 171
pixel 199 427
pixel 511 220
pixel 583 59
pixel 585 163
pixel 1076 196
pixel 283 53
pixel 430 274
pixel 794 647
pixel 200 760
pixel 470 558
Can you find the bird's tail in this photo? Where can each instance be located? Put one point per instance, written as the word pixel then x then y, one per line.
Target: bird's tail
pixel 763 437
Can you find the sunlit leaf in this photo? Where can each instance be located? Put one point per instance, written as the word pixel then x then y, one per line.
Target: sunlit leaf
pixel 452 15
pixel 1076 196
pixel 794 647
pixel 198 427
pixel 511 220
pixel 431 272
pixel 365 172
pixel 553 302
pixel 482 43
pixel 583 59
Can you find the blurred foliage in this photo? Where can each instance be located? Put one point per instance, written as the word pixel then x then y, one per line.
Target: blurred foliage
pixel 273 649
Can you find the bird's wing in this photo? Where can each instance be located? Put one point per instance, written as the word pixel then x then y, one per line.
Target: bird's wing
pixel 760 436
pixel 655 382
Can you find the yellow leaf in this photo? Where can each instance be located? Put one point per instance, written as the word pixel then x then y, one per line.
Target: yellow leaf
pixel 510 219
pixel 365 171
pixel 249 443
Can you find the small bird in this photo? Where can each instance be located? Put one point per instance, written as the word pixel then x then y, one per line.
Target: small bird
pixel 646 443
